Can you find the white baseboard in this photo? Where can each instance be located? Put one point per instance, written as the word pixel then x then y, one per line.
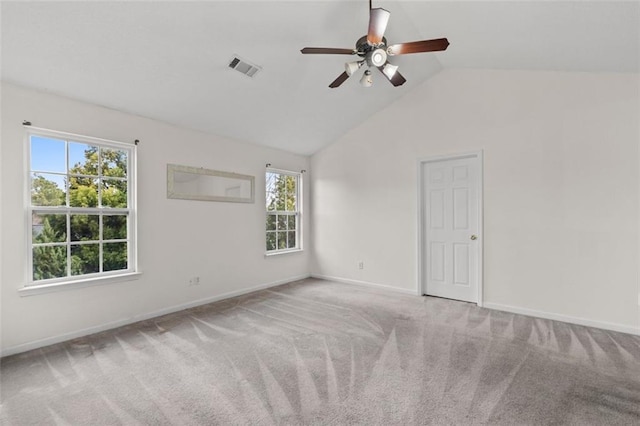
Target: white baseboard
pixel 136 318
pixel 564 318
pixel 366 284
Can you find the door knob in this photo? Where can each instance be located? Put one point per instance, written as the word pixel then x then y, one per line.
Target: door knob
pixel 474 237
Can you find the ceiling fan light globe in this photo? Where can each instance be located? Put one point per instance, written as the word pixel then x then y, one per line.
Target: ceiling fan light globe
pixel 390 70
pixel 351 67
pixel 377 58
pixel 366 79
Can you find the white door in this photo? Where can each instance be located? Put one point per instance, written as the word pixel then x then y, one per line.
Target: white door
pixel 451 227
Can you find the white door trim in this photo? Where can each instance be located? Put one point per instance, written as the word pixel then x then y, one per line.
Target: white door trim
pixel 478 155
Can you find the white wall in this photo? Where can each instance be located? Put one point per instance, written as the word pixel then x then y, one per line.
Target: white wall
pixel 223 243
pixel 561 189
pixel 561 202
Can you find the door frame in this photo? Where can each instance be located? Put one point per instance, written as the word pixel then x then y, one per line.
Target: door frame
pixel 479 157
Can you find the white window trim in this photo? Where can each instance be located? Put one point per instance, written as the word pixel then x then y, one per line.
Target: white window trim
pixel 283 251
pixel 32 287
pixel 300 204
pixel 33 290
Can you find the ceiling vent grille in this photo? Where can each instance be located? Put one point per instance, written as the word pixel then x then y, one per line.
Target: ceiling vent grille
pixel 244 67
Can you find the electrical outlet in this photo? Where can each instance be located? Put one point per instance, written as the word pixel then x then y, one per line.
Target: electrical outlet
pixel 194 281
pixel 361 265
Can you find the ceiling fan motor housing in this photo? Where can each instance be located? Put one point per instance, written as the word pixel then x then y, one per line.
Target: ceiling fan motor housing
pixel 363 46
pixel 375 55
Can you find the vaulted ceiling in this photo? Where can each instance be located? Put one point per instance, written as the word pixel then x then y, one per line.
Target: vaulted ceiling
pixel 169 60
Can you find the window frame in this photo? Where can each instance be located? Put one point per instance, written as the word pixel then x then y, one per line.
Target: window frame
pixel 33 286
pixel 297 213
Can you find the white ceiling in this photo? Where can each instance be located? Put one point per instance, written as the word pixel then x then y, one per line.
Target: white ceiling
pixel 168 60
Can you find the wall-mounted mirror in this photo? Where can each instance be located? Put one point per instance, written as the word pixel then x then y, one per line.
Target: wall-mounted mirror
pixel 194 183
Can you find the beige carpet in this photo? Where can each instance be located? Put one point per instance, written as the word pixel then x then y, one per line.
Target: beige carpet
pixel 318 352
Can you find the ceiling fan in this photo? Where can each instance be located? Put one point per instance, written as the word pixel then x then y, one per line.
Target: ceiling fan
pixel 374 51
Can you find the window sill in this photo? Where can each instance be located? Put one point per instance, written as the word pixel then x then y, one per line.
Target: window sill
pixel 33 290
pixel 281 252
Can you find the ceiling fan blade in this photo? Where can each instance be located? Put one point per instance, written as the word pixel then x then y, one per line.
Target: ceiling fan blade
pixel 434 45
pixel 397 79
pixel 338 81
pixel 378 19
pixel 328 50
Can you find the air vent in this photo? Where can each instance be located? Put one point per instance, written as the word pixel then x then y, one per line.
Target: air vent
pixel 244 67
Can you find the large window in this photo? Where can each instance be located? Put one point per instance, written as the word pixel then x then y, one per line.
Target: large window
pixel 81 216
pixel 283 200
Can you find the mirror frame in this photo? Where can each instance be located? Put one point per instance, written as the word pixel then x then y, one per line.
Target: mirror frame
pixel 200 171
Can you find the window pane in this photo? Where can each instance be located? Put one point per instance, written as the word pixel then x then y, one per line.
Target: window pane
pixel 85 227
pixel 114 227
pixel 282 223
pixel 271 222
pixel 271 201
pixel 114 193
pixel 85 259
pixel 290 184
pixel 280 193
pixel 48 228
pixel 48 190
pixel 83 192
pixel 291 239
pixel 48 154
pixel 49 262
pixel 270 179
pixel 114 256
pixel 83 159
pixel 282 240
pixel 291 222
pixel 114 162
pixel 291 203
pixel 271 241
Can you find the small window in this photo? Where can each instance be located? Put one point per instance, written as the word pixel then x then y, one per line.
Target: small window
pixel 283 203
pixel 81 216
